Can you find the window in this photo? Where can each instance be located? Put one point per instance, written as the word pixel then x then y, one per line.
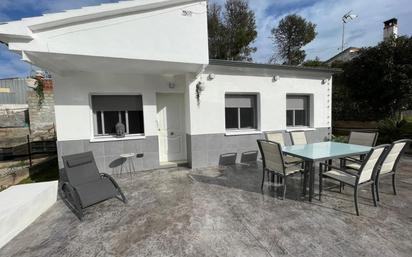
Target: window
pixel 109 110
pixel 240 112
pixel 297 111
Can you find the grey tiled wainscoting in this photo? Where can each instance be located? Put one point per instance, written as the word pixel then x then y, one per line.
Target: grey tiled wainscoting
pixel 206 150
pixel 202 150
pixel 107 154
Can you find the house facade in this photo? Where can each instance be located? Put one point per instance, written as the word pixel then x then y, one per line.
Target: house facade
pixel 145 64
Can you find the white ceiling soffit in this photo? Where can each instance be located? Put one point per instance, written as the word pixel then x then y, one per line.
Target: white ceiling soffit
pixel 92 13
pixel 61 63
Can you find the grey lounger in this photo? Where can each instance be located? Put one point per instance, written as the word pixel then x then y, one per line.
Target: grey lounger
pixel 81 184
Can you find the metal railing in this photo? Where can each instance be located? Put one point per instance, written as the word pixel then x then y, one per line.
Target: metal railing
pixel 28 149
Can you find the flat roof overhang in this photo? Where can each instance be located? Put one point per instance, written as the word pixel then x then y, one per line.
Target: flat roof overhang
pixel 62 63
pixel 241 66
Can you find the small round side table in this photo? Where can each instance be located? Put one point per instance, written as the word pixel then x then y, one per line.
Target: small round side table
pixel 129 161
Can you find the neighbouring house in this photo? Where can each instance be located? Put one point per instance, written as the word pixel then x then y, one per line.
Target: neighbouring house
pixel 390 29
pixel 22 115
pixel 145 64
pixel 344 56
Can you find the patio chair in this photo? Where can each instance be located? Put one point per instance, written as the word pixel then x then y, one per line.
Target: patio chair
pixel 278 138
pixel 298 138
pixel 81 184
pixel 273 162
pixel 390 162
pixel 363 177
pixel 359 138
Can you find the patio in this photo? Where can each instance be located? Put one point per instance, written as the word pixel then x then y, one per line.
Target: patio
pixel 212 212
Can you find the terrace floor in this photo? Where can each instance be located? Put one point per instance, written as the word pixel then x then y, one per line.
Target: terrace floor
pixel 212 212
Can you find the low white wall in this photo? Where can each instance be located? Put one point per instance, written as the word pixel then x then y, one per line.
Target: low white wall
pixel 21 205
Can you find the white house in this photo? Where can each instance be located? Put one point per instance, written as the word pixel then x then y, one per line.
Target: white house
pixel 145 63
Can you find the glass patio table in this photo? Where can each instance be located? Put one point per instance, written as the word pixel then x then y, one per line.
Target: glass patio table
pixel 323 151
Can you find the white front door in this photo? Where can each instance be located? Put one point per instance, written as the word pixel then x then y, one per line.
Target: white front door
pixel 171 127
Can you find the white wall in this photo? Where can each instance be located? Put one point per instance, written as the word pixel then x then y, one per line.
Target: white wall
pixel 209 116
pixel 73 112
pixel 72 99
pixel 164 34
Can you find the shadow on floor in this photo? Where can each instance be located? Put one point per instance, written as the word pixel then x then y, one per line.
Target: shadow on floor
pixel 247 177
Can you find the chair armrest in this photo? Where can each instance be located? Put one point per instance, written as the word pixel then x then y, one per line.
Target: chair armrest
pixel 291 164
pixel 72 192
pixel 338 168
pixel 352 160
pixel 105 175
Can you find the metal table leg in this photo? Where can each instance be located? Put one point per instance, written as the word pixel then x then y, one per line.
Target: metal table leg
pixel 311 180
pixel 305 178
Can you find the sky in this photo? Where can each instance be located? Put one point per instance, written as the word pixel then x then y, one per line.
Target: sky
pixel 366 30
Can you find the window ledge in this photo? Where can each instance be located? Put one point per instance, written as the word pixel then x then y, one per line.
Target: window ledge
pixel 240 132
pixel 108 139
pixel 299 129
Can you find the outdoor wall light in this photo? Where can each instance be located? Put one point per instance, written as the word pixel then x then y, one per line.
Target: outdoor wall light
pixel 172 85
pixel 211 76
pixel 200 87
pixel 275 78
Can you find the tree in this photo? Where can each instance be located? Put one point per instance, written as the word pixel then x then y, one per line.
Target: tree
pixel 232 31
pixel 379 80
pixel 314 63
pixel 293 33
pixel 217 44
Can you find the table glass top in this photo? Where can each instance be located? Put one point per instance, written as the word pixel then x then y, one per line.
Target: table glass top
pixel 325 150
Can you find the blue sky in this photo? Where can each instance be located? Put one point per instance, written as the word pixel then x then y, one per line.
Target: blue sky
pixel 366 30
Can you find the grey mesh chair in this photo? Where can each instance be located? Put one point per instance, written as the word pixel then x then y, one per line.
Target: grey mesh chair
pixel 359 138
pixel 390 162
pixel 298 138
pixel 278 138
pixel 273 162
pixel 355 178
pixel 81 184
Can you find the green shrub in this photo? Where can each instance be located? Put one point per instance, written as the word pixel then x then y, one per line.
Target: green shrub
pixel 392 129
pixel 339 139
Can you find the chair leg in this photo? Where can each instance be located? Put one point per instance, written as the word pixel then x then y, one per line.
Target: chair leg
pixel 284 188
pixel 122 195
pixel 305 182
pixel 69 197
pixel 355 195
pixel 394 184
pixel 263 180
pixel 377 189
pixel 374 195
pixel 340 187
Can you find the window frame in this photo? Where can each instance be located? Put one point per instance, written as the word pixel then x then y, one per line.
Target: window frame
pixel 94 128
pixel 307 109
pixel 255 116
